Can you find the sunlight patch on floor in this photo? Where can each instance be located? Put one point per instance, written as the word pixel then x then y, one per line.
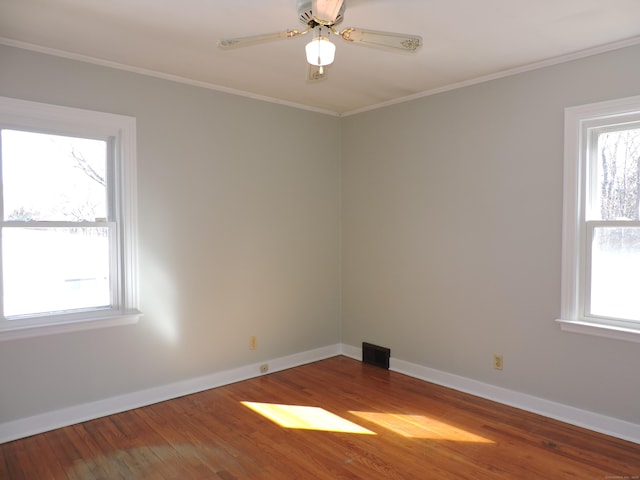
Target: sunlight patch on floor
pixel 306 418
pixel 419 426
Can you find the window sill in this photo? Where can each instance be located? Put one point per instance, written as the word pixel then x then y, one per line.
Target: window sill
pixel 14 330
pixel 600 330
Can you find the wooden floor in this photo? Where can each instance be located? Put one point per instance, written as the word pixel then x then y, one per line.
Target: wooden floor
pixel 400 428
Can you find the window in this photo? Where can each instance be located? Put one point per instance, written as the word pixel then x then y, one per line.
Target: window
pixel 68 231
pixel 601 236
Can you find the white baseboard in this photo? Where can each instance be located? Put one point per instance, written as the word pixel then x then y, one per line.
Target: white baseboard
pixel 564 413
pixel 44 422
pixel 47 421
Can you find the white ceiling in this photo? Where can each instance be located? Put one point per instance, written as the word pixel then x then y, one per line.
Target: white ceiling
pixel 464 41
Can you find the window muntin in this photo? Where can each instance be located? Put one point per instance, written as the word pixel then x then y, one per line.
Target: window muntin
pixel 601 239
pixel 68 247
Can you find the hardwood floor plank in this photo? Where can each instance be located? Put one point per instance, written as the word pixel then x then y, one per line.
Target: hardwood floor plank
pixel 416 430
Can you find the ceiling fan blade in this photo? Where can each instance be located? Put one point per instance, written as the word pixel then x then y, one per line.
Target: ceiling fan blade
pixel 400 41
pixel 315 74
pixel 229 43
pixel 326 10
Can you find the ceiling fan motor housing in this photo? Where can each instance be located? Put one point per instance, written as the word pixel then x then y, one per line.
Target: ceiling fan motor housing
pixel 305 12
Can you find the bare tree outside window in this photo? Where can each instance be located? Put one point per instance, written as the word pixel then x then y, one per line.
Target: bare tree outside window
pixel 619 153
pixel 90 170
pixel 619 186
pixel 615 253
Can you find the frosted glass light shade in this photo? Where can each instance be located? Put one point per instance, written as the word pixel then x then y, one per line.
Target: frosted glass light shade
pixel 320 52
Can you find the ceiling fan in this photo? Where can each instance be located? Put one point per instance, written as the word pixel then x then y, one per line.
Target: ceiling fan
pixel 321 18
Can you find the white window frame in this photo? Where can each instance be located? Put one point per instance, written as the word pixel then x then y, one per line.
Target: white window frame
pixel 120 132
pixel 576 229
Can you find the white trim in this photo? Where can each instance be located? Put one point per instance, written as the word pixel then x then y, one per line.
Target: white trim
pixel 156 74
pixel 351 351
pixel 63 120
pixel 16 330
pixel 570 214
pixel 504 73
pixel 121 130
pixel 454 86
pixel 47 421
pixel 575 239
pixel 557 411
pixel 600 330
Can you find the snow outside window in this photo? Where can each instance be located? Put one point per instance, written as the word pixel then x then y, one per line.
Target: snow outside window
pixel 67 239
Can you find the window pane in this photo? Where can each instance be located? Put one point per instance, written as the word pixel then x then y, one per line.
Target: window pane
pixel 618 165
pixel 55 269
pixel 51 177
pixel 615 273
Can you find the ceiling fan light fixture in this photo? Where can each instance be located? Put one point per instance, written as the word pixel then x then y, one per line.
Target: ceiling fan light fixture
pixel 321 17
pixel 320 51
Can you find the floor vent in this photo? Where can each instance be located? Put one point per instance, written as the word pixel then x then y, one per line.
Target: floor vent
pixel 375 355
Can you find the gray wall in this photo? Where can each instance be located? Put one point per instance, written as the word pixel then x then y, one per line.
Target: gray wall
pixel 451 236
pixel 238 230
pixel 452 216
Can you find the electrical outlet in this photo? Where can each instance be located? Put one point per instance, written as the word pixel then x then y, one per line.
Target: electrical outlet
pixel 264 368
pixel 497 361
pixel 253 343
